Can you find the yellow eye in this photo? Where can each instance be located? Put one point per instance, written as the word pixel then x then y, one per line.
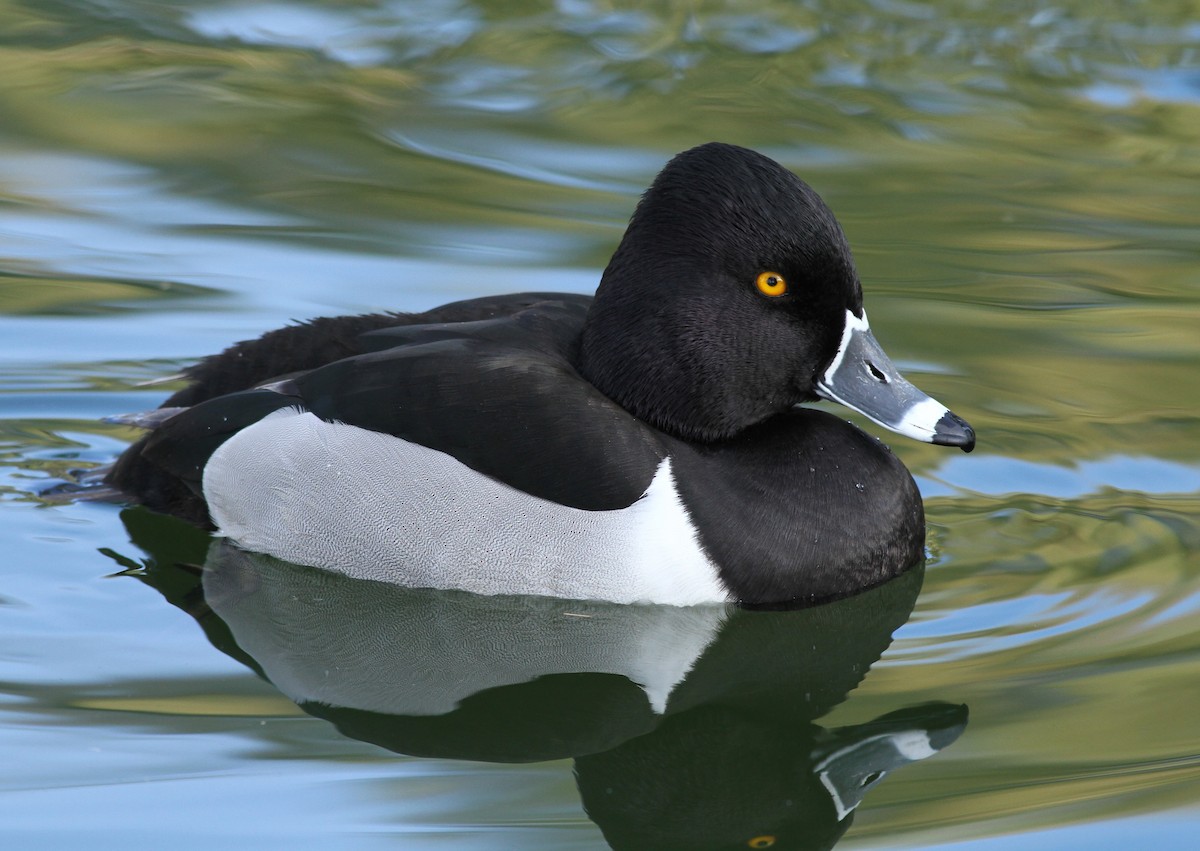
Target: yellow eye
pixel 762 841
pixel 771 284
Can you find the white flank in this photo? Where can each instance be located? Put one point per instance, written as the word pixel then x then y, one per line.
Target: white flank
pixel 374 506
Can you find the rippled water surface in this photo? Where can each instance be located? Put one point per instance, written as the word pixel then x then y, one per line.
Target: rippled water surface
pixel 1019 187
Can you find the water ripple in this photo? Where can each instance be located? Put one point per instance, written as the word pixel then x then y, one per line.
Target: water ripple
pixel 998 475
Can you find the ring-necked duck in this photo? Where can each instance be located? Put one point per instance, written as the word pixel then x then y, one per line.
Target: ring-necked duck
pixel 641 445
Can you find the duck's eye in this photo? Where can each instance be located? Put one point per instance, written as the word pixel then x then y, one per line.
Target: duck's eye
pixel 771 284
pixel 761 842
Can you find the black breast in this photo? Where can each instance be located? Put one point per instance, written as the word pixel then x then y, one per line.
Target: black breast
pixel 804 507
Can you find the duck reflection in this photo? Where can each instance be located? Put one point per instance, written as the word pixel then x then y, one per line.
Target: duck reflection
pixel 689 727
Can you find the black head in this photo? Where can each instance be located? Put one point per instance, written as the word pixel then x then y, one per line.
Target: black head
pixel 725 299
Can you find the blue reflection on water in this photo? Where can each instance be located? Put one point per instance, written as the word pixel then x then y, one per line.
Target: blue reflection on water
pixel 1176 830
pixel 1164 85
pixel 1000 625
pixel 1000 475
pixel 354 36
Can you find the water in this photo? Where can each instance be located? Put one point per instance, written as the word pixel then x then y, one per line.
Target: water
pixel 1018 187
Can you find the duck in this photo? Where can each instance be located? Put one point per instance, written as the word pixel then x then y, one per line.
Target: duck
pixel 649 444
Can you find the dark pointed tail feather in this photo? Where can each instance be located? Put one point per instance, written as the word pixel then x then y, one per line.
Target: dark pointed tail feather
pixel 164 469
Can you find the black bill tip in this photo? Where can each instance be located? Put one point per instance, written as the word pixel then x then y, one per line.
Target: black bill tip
pixel 952 430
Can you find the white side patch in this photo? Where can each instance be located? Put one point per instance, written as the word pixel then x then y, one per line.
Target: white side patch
pixel 373 506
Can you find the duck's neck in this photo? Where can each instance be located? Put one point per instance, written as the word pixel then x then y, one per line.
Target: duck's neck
pixel 668 367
